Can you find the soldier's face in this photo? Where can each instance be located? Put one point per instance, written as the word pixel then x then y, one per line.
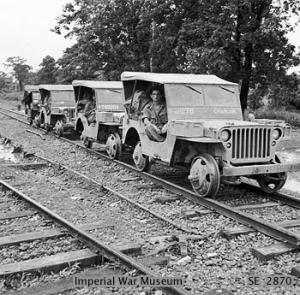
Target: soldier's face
pixel 155 95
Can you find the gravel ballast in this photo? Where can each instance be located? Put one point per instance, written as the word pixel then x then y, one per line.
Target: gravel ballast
pixel 214 263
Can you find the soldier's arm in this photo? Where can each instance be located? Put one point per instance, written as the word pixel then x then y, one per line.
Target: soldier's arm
pixel 146 116
pixel 164 129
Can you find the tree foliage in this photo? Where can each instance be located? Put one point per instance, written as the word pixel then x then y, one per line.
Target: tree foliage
pixel 78 62
pixel 108 38
pixel 6 82
pixel 20 69
pixel 3 81
pixel 48 71
pixel 243 41
pixel 285 92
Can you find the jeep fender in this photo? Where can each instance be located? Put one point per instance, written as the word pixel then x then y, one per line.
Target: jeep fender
pixel 131 137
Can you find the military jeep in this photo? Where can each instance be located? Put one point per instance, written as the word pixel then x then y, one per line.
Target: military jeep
pixel 206 131
pixel 32 101
pixel 102 122
pixel 58 108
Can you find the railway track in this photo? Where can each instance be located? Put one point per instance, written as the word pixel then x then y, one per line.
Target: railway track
pixel 96 251
pixel 265 227
pixel 279 230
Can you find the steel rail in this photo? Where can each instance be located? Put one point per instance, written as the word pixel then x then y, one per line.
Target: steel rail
pixel 17 119
pixel 265 227
pixel 100 247
pixel 119 195
pixel 268 228
pixel 285 199
pixel 14 112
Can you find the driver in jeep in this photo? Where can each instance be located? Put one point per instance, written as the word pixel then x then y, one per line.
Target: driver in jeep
pixel 155 116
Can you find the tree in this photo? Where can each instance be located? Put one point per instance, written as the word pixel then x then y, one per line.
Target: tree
pixel 108 37
pixel 32 78
pixel 47 73
pixel 20 69
pixel 242 41
pixel 285 92
pixel 6 83
pixel 163 19
pixel 3 81
pixel 78 62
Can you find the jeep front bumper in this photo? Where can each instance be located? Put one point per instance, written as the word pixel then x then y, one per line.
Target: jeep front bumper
pixel 260 169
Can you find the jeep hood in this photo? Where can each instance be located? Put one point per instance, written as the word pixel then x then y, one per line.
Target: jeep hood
pixel 193 129
pixel 218 124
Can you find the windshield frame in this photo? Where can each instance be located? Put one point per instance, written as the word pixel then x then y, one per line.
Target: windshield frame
pixel 112 100
pixel 182 106
pixel 57 102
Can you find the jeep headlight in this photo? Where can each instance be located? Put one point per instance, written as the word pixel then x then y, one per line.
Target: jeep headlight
pixel 276 133
pixel 118 118
pixel 225 135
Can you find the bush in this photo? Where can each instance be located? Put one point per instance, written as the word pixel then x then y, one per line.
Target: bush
pixel 289 117
pixel 17 96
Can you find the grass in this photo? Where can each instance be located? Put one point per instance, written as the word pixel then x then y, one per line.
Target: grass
pixel 12 96
pixel 292 118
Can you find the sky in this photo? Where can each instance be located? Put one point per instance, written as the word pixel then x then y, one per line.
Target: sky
pixel 294 38
pixel 25 31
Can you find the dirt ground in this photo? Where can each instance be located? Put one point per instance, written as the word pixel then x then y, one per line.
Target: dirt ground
pixel 234 260
pixel 291 144
pixel 289 151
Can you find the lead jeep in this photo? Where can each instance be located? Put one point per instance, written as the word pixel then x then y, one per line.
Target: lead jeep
pixel 206 131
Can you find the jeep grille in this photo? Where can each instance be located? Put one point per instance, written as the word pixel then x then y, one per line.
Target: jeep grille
pixel 72 113
pixel 251 143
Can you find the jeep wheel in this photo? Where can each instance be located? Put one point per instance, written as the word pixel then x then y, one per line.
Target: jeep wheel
pixel 36 122
pixel 113 145
pixel 86 142
pixel 59 128
pixel 47 127
pixel 140 160
pixel 271 183
pixel 205 176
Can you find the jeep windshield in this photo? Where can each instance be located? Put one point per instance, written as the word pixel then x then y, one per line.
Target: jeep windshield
pixel 109 99
pixel 109 96
pixel 198 101
pixel 193 95
pixel 62 99
pixel 36 97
